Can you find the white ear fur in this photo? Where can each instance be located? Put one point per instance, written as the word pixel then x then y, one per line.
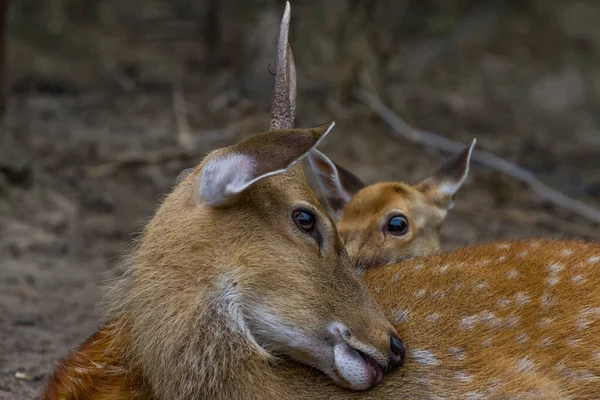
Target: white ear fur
pixel 225 176
pixel 449 179
pixel 228 175
pixel 449 187
pixel 328 176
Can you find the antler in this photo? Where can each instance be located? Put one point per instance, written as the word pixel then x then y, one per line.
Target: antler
pixel 283 110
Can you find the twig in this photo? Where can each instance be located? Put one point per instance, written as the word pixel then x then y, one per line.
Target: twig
pixel 184 134
pixel 138 159
pixel 401 128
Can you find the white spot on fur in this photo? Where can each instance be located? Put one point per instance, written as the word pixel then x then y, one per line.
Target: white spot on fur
pixel 566 252
pixel 484 262
pixel 418 267
pixel 490 318
pixel 401 316
pixel 487 342
pixel 443 269
pixel 438 294
pixel 481 285
pixel 433 317
pixel 503 302
pixel 571 342
pixel 495 384
pixel 522 338
pixel 419 293
pixel 457 353
pixel 584 375
pixel 594 259
pixel 525 365
pixel 513 321
pixel 552 280
pixel 596 355
pixel 467 323
pixel 396 277
pixel 501 258
pixel 584 318
pixel 523 254
pixel 546 342
pixel 513 274
pixel 463 377
pixel 424 357
pixel 578 279
pixel 546 300
pixel 522 298
pixel 377 290
pixel 554 268
pixel 503 246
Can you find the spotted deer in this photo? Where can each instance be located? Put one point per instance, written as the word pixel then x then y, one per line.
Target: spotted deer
pixel 506 320
pixel 390 221
pixel 239 267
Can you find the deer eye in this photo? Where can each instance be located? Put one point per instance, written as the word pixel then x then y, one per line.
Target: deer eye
pixel 305 220
pixel 397 225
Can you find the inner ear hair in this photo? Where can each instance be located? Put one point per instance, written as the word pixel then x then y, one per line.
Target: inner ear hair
pixel 230 171
pixel 337 184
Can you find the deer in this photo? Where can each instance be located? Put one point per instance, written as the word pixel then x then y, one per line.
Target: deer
pixel 504 320
pixel 390 221
pixel 238 268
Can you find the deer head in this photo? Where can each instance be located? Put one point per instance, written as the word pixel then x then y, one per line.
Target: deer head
pixel 240 263
pixel 390 221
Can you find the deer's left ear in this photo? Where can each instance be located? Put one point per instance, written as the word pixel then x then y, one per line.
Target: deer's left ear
pixel 443 185
pixel 338 185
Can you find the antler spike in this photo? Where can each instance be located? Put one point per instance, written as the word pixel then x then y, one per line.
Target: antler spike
pixel 283 111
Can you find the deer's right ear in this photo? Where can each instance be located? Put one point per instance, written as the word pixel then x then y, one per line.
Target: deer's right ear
pixel 443 185
pixel 232 170
pixel 338 185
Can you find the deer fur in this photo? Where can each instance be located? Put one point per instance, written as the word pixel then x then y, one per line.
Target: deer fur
pixel 224 283
pixel 364 211
pixel 505 320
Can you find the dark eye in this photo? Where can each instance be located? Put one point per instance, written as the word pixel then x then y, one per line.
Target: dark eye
pixel 304 219
pixel 398 225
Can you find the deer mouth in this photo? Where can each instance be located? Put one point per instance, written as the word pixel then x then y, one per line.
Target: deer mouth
pixel 377 370
pixel 356 369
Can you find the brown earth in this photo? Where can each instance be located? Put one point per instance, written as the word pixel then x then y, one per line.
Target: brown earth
pixel 524 81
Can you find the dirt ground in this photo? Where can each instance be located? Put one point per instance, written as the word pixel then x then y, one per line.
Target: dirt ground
pixel 65 223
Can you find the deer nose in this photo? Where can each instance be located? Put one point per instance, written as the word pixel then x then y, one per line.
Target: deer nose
pixel 397 353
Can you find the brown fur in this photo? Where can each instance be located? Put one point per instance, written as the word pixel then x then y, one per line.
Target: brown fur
pixel 363 211
pixel 362 224
pixel 474 348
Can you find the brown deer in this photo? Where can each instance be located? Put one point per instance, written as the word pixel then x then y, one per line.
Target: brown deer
pixel 390 221
pixel 239 266
pixel 507 320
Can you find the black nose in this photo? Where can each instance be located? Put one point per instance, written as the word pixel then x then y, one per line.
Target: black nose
pixel 397 352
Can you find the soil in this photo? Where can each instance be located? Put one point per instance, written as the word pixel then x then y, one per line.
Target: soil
pixel 66 223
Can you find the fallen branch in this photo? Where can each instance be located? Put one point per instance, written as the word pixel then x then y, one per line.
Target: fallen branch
pixel 184 132
pixel 137 159
pixel 403 129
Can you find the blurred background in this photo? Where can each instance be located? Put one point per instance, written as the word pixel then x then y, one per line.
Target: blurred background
pixel 108 101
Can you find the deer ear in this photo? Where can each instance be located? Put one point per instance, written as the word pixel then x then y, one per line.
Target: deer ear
pixel 230 171
pixel 443 185
pixel 338 185
pixel 183 174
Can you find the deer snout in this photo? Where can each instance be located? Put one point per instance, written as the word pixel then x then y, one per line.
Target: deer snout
pixel 397 352
pixel 360 363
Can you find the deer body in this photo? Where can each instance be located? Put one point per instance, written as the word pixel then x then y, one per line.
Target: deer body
pixel 505 320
